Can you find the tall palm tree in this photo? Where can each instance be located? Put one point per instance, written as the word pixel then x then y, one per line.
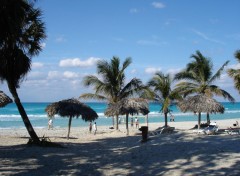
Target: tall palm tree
pixel 111 84
pixel 235 73
pixel 164 94
pixel 198 78
pixel 21 34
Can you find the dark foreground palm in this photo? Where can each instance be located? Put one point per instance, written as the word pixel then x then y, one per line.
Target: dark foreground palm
pixel 21 33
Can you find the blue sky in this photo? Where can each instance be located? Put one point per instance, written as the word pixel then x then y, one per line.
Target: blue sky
pixel 157 35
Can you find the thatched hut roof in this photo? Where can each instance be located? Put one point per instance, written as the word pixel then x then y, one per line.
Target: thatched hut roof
pixel 4 99
pixel 200 103
pixel 128 106
pixel 71 108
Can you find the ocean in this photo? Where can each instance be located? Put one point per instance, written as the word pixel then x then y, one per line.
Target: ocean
pixel 10 118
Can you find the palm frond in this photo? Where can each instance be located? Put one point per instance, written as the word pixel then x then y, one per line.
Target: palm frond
pixel 132 87
pixel 218 73
pixel 237 55
pixel 220 92
pixel 91 80
pixel 92 96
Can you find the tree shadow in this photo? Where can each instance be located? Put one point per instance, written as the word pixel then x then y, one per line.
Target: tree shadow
pixel 167 154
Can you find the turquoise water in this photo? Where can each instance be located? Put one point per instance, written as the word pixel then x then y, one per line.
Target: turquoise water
pixel 10 118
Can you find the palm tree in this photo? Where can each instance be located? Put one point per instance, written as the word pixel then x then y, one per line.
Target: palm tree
pixel 161 85
pixel 21 34
pixel 199 78
pixel 111 84
pixel 235 73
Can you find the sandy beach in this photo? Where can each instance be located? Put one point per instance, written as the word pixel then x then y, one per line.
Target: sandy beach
pixel 111 152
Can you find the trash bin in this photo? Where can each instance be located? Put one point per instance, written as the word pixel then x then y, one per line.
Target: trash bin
pixel 144 130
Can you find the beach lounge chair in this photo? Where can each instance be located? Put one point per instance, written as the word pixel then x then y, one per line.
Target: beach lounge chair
pixel 234 130
pixel 211 129
pixel 162 130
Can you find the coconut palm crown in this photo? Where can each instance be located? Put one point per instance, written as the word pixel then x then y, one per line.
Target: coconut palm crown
pixel 163 92
pixel 111 84
pixel 198 78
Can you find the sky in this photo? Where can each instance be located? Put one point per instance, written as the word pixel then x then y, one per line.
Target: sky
pixel 157 35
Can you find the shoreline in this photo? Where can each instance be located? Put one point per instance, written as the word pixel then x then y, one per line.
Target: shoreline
pixel 103 131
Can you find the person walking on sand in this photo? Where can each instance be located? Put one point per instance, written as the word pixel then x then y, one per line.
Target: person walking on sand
pixel 95 127
pixel 50 124
pixel 90 127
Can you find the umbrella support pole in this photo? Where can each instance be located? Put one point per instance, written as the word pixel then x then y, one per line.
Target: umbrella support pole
pixel 69 126
pixel 199 120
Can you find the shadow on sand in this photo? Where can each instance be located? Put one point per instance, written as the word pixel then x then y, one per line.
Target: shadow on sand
pixel 163 155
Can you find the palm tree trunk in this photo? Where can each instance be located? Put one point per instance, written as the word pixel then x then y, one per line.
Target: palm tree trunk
pixel 165 115
pixel 113 121
pixel 69 126
pixel 116 122
pixel 199 120
pixel 26 121
pixel 127 124
pixel 208 119
pixel 147 120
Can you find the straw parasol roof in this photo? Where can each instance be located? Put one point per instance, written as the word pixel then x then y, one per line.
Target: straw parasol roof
pixel 4 99
pixel 71 108
pixel 128 106
pixel 200 103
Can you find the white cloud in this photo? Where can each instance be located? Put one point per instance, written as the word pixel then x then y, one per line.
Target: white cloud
pixel 35 75
pixel 150 43
pixel 118 39
pixel 234 36
pixel 68 74
pixel 158 5
pixel 133 71
pixel 152 70
pixel 233 66
pixel 53 75
pixel 43 45
pixel 214 21
pixel 76 62
pixel 60 39
pixel 205 37
pixel 173 71
pixel 134 10
pixel 37 65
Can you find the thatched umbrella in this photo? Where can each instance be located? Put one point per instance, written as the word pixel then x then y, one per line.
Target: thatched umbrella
pixel 128 106
pixel 200 103
pixel 4 99
pixel 71 108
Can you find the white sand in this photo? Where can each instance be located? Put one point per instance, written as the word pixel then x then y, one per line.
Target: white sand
pixel 111 152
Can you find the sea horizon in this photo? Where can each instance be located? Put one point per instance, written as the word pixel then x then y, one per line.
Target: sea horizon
pixel 10 117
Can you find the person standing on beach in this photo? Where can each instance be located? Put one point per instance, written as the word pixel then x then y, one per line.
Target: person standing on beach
pixel 95 128
pixel 131 122
pixel 172 118
pixel 136 122
pixel 90 127
pixel 50 124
